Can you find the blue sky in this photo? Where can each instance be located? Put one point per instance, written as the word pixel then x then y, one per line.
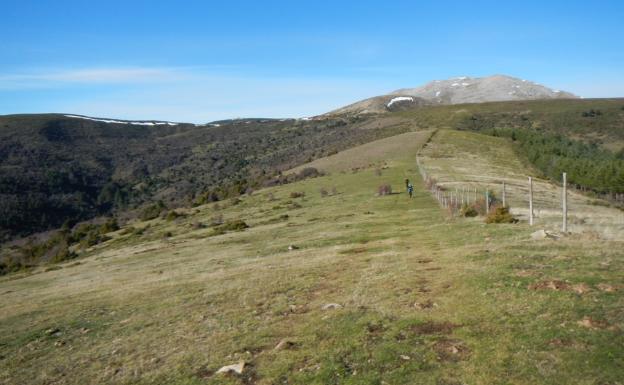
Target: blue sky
pixel 199 61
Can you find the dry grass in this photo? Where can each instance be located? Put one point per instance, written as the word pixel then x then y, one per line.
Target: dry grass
pixel 424 298
pixel 465 160
pixel 379 153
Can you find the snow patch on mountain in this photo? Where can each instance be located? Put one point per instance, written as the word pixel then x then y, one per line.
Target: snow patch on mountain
pixel 399 99
pixel 135 123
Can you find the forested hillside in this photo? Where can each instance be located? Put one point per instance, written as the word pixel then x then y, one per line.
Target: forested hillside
pixel 55 169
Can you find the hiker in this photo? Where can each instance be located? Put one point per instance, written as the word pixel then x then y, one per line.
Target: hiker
pixel 410 190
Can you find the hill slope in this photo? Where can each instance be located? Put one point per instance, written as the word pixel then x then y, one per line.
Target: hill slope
pixel 56 168
pixel 421 297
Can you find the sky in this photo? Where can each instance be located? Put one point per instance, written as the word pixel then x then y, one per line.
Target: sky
pixel 199 61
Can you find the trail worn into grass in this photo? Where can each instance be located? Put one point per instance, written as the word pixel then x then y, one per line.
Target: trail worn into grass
pixel 420 298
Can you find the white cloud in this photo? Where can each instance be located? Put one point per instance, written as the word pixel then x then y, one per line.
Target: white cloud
pixel 191 94
pixel 61 78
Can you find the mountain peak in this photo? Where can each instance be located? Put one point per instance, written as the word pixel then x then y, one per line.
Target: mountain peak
pixel 457 90
pixel 495 88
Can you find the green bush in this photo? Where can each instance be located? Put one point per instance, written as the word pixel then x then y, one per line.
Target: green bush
pixel 500 215
pixel 173 215
pixel 109 226
pixel 469 211
pixel 153 211
pixel 235 225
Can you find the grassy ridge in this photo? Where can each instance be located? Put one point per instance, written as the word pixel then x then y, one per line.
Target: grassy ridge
pixel 424 298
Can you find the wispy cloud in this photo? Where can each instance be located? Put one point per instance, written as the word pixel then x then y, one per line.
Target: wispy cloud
pixel 196 94
pixel 60 78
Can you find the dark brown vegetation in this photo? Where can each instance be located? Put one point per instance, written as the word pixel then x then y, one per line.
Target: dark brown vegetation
pixel 54 168
pixel 384 189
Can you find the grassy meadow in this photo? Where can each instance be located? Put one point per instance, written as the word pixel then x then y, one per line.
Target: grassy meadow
pixel 335 286
pixel 465 161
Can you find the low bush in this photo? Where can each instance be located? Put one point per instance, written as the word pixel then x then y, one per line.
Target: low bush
pixel 323 192
pixel 216 220
pixel 468 211
pixel 173 215
pixel 197 225
pixel 153 211
pixel 127 230
pixel 500 215
pixel 235 225
pixel 384 189
pixel 296 194
pixel 109 226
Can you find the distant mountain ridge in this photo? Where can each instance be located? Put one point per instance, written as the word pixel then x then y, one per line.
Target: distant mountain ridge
pixel 457 90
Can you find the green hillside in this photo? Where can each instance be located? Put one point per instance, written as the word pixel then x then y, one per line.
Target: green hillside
pixel 55 169
pixel 329 284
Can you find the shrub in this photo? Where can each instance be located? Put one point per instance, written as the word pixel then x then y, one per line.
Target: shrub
pixel 173 215
pixel 468 211
pixel 430 182
pixel 216 220
pixel 197 225
pixel 323 192
pixel 63 253
pixel 309 172
pixel 500 215
pixel 384 189
pixel 139 231
pixel 127 230
pixel 153 211
pixel 109 226
pixel 235 225
pixel 296 194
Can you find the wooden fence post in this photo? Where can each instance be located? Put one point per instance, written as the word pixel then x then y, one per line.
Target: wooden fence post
pixel 530 201
pixel 564 204
pixel 504 200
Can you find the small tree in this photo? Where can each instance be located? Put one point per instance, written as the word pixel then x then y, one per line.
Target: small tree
pixel 384 189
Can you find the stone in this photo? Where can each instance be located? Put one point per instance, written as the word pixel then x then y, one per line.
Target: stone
pixel 285 344
pixel 234 368
pixel 543 234
pixel 331 306
pixel 53 332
